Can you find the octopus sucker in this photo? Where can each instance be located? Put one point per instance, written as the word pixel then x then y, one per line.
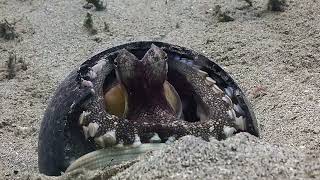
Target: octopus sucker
pixel 229 131
pixel 202 73
pixel 83 117
pixel 209 81
pixel 216 89
pixel 227 99
pixel 106 140
pixel 134 98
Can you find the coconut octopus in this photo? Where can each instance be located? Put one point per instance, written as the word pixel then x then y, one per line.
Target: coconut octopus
pixel 133 98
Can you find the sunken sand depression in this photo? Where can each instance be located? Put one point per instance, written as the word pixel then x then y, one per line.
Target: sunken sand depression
pixel 274 57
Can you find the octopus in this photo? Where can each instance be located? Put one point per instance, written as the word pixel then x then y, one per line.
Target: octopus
pixel 134 98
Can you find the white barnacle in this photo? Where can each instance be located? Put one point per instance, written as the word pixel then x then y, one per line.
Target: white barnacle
pixel 227 99
pixel 83 116
pixel 97 68
pixel 229 91
pixel 170 140
pixel 99 141
pixel 240 122
pixel 211 129
pixel 93 129
pixel 85 131
pixel 137 141
pixel 106 140
pixel 209 81
pixel 216 89
pixel 92 91
pixel 86 83
pixel 202 73
pixel 155 138
pixel 238 109
pixel 109 139
pixel 91 74
pixel 112 133
pixel 231 113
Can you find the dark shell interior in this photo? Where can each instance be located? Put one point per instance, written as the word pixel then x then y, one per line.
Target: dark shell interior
pixel 61 141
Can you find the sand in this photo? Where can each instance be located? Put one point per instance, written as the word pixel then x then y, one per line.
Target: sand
pixel 274 56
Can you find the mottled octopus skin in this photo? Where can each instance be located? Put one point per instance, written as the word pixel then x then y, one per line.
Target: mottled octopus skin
pixel 70 98
pixel 154 114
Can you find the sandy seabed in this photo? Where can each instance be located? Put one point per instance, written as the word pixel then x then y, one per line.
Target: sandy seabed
pixel 274 56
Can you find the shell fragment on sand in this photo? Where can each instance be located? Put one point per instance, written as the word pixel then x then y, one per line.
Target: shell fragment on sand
pixel 112 156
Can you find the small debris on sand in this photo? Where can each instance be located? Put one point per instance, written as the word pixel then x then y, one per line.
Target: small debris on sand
pixel 14 65
pixel 222 16
pixel 88 24
pixel 98 4
pixel 276 5
pixel 7 30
